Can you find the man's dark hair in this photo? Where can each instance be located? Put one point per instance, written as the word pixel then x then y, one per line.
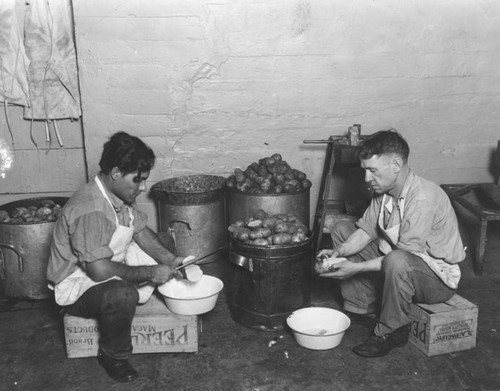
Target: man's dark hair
pixel 384 142
pixel 128 153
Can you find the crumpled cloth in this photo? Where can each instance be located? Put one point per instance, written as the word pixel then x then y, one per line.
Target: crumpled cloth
pixel 53 71
pixel 14 86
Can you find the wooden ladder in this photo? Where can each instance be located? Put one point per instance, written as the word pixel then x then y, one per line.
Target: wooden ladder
pixel 339 150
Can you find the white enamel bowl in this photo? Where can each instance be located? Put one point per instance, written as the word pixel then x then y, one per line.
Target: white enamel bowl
pixel 318 328
pixel 191 298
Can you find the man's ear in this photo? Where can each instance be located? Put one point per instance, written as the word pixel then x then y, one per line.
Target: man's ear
pixel 115 173
pixel 397 163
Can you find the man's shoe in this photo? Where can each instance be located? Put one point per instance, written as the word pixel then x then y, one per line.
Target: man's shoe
pixel 119 370
pixel 376 346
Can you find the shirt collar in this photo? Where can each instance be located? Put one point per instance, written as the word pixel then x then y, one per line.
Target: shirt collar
pixel 404 192
pixel 115 201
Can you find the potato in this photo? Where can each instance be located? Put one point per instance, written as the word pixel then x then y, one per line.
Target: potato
pixel 254 166
pixel 306 183
pixel 243 234
pixel 193 273
pixel 261 242
pixel 4 216
pixel 299 237
pixel 239 175
pixel 281 227
pixel 43 211
pixel 277 157
pixel 240 233
pixel 279 179
pixel 234 227
pixel 299 175
pixel 326 265
pixel 263 170
pixel 260 214
pixel 20 212
pixel 250 173
pixel 266 185
pixel 48 203
pixel 231 181
pixel 282 238
pixel 269 222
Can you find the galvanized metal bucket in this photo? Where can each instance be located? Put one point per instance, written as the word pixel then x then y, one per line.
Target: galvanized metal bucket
pixel 24 253
pixel 192 210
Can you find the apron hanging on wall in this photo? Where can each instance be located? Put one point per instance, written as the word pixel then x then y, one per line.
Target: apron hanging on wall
pixel 53 68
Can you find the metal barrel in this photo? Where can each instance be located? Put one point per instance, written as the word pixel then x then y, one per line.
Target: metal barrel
pixel 25 251
pixel 268 283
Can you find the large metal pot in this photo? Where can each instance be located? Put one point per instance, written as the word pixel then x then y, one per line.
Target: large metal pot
pixel 268 283
pixel 24 253
pixel 241 206
pixel 191 209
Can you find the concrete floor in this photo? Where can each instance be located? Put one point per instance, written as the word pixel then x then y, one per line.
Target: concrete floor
pixel 233 357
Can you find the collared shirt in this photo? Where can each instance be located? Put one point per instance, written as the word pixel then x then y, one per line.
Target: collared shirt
pixel 429 223
pixel 83 231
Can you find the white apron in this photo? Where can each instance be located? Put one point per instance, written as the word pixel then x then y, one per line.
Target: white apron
pixel 125 250
pixel 448 273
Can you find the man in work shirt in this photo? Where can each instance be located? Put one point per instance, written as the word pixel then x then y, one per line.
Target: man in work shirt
pixel 405 248
pixel 104 259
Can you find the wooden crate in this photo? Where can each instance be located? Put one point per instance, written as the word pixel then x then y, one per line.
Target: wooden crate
pixel 445 327
pixel 154 330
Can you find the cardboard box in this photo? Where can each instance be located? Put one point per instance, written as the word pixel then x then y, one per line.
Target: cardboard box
pixel 445 327
pixel 154 330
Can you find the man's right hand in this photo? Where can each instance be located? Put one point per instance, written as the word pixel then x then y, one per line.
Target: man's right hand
pixel 163 273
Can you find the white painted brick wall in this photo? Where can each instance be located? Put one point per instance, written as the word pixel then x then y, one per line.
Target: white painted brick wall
pixel 214 86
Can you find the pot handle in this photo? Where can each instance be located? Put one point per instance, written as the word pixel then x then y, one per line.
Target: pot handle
pixel 171 229
pixel 19 257
pixel 240 260
pixel 178 221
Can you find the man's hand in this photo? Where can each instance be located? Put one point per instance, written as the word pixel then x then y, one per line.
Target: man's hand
pixel 325 253
pixel 344 270
pixel 163 273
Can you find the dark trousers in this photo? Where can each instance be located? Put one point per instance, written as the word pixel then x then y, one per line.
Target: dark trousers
pixel 113 304
pixel 405 278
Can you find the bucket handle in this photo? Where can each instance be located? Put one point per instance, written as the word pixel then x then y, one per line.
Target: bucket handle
pixel 240 260
pixel 171 229
pixel 19 257
pixel 178 221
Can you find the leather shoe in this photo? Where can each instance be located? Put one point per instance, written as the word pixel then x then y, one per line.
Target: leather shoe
pixel 378 346
pixel 119 370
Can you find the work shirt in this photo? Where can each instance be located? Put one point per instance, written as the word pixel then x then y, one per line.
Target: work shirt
pixel 429 225
pixel 83 231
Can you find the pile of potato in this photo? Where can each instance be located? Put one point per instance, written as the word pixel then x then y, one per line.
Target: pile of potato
pixel 49 211
pixel 268 230
pixel 271 175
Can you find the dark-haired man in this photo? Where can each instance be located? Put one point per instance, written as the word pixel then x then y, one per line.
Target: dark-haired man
pixel 104 259
pixel 405 248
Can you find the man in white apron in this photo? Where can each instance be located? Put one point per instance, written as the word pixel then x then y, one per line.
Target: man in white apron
pixel 104 259
pixel 406 247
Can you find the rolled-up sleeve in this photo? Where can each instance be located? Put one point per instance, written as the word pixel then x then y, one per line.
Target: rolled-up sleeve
pixel 90 235
pixel 140 220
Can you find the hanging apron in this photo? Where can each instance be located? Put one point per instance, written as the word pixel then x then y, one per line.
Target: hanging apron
pixel 125 250
pixel 448 273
